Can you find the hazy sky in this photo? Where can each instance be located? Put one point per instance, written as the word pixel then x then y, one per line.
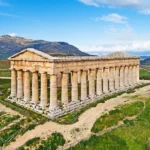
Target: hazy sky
pixel 91 25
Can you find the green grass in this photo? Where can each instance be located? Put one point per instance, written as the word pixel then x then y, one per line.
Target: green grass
pixel 132 109
pixel 130 136
pixel 32 119
pixel 51 143
pixel 6 120
pixel 73 116
pixel 4 64
pixel 144 74
pixel 114 116
pixel 146 67
pixel 30 143
pixel 5 74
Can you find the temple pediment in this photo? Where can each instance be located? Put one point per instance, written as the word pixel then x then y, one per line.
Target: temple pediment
pixel 31 54
pixel 119 55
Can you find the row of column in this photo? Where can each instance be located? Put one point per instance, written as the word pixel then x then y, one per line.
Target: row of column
pixel 20 88
pixel 97 81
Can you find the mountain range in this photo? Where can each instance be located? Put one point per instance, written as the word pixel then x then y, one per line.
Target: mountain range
pixel 10 45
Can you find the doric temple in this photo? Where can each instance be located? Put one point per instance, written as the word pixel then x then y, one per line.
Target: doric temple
pixel 57 85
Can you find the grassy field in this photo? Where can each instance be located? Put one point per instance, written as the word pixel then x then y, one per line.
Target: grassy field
pixel 5 74
pixel 146 67
pixel 133 134
pixel 4 68
pixel 114 116
pixel 4 64
pixel 50 143
pixel 144 74
pixel 30 121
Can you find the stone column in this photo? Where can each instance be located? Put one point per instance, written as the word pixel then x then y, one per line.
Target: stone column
pixel 74 91
pixel 99 82
pixel 53 92
pixel 83 85
pixel 20 84
pixel 64 93
pixel 134 74
pixel 121 76
pixel 92 83
pixel 105 80
pixel 130 75
pixel 117 78
pixel 35 88
pixel 79 76
pixel 13 83
pixel 59 79
pixel 126 76
pixel 111 79
pixel 138 73
pixel 26 86
pixel 44 95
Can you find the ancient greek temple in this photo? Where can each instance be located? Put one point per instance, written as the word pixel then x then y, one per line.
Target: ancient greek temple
pixel 57 85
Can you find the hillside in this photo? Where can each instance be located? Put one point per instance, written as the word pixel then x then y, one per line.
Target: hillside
pixel 10 45
pixel 145 61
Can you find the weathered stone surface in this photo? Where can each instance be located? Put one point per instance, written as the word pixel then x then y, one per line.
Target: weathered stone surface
pixel 97 76
pixel 44 96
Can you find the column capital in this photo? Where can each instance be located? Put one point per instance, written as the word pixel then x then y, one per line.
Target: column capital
pixel 122 65
pixel 92 69
pixel 26 70
pixel 99 68
pixel 84 70
pixel 12 69
pixel 64 72
pixel 117 66
pixel 19 69
pixel 105 67
pixel 33 71
pixel 43 72
pixel 74 71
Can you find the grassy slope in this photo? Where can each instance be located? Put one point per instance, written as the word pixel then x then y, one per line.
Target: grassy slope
pixel 4 64
pixel 114 116
pixel 129 136
pixel 4 68
pixel 5 73
pixel 144 75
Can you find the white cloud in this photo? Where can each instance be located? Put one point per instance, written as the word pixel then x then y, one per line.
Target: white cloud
pixel 136 46
pixel 12 34
pixel 122 33
pixel 114 3
pixel 143 6
pixel 8 15
pixel 146 11
pixel 90 2
pixel 116 18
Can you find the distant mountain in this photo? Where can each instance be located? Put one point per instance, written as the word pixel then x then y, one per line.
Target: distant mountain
pixel 144 57
pixel 10 45
pixel 145 61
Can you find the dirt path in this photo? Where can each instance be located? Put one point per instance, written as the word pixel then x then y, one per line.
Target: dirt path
pixel 8 110
pixel 85 123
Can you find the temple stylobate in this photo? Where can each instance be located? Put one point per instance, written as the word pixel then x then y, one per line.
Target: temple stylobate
pixel 57 85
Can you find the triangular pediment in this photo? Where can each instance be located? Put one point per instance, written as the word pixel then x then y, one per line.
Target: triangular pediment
pixel 31 54
pixel 119 55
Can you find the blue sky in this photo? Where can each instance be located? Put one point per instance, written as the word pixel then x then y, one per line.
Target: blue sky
pixel 91 25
